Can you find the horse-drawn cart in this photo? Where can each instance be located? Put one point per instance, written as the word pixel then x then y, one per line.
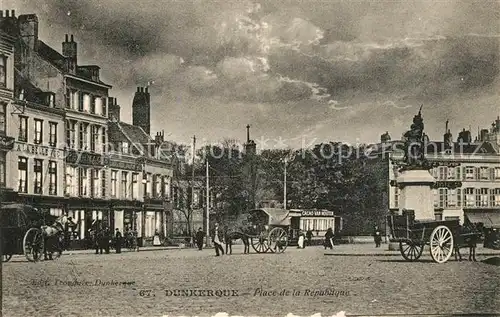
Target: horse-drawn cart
pixel 271 229
pixel 21 233
pixel 441 236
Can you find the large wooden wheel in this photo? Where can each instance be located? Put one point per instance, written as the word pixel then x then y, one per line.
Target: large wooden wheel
pixel 6 257
pixel 33 244
pixel 278 240
pixel 260 243
pixel 441 243
pixel 410 250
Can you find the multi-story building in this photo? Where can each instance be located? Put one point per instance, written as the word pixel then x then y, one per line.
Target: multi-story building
pixel 7 45
pixel 139 179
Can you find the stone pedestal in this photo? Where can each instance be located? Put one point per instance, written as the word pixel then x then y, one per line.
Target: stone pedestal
pixel 416 193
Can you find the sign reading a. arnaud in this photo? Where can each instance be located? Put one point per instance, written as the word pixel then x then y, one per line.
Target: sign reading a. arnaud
pixel 35 149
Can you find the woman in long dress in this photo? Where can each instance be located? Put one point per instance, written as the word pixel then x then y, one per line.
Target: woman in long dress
pixel 301 240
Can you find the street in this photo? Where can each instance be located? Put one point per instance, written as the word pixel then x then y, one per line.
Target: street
pixel 191 282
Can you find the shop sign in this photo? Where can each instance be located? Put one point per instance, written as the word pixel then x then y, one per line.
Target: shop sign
pixel 317 213
pixel 86 158
pixel 125 165
pixel 39 150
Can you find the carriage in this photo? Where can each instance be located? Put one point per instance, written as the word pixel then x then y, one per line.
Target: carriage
pixel 442 236
pixel 21 233
pixel 270 229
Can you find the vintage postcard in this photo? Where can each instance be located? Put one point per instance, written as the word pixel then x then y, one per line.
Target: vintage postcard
pixel 249 158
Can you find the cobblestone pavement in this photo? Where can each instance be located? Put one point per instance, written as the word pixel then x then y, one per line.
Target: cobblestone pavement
pixel 355 284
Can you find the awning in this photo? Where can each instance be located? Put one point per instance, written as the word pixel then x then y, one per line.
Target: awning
pixel 490 219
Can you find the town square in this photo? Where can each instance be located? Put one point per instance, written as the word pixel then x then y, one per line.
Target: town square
pixel 251 158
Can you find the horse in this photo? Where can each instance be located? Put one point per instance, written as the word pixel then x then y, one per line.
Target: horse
pixel 468 236
pixel 53 235
pixel 239 232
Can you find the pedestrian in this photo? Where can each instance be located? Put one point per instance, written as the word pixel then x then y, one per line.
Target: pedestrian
pixel 199 238
pixel 309 235
pixel 300 243
pixel 329 238
pixel 156 238
pixel 106 237
pixel 377 236
pixel 216 239
pixel 118 241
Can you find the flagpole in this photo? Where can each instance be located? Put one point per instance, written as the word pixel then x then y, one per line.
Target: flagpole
pixel 208 208
pixel 284 188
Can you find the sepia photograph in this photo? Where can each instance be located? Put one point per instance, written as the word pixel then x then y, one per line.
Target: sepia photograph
pixel 293 158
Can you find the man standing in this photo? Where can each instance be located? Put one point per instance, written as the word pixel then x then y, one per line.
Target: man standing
pixel 377 235
pixel 216 239
pixel 199 238
pixel 118 241
pixel 309 235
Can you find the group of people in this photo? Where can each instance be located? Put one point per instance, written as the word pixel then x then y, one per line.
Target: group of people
pixel 103 239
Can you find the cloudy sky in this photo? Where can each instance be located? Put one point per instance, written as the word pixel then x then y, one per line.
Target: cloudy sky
pixel 298 71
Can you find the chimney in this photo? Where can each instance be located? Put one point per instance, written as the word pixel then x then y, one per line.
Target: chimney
pixel 70 51
pixel 141 110
pixel 6 13
pixel 28 29
pixel 248 133
pixel 114 109
pixel 13 13
pixel 146 90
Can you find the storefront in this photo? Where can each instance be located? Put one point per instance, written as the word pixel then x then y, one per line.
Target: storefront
pixel 319 221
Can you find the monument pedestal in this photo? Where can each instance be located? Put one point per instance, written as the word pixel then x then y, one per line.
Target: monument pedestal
pixel 416 193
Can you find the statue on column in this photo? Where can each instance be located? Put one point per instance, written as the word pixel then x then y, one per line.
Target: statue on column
pixel 414 147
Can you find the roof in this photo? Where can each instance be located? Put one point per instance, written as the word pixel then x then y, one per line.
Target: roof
pixel 277 216
pixel 489 218
pixel 123 132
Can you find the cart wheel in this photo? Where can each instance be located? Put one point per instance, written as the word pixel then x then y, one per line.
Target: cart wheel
pixel 33 244
pixel 410 251
pixel 260 243
pixel 278 240
pixel 441 242
pixel 6 257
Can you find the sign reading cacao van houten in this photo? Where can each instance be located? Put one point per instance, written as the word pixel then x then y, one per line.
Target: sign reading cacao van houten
pixel 317 213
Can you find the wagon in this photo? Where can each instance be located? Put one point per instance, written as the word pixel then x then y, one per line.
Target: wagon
pixel 271 229
pixel 413 235
pixel 21 233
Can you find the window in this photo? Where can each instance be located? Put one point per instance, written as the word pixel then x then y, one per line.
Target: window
pixel 94 137
pixel 23 129
pixel 443 172
pixel 443 197
pixel 114 184
pixel 53 134
pixel 3 118
pixel 82 181
pixel 104 109
pixel 70 188
pixel 166 187
pixel 125 148
pixel 80 101
pixel 75 100
pixel 2 169
pixel 469 198
pixel 3 71
pixel 495 197
pixel 484 173
pixel 396 197
pixel 459 172
pixel 52 178
pixel 148 185
pixel 68 98
pixel 86 103
pixel 481 197
pixel 497 172
pixel 22 172
pixel 451 173
pixel 124 185
pixel 103 140
pixel 98 105
pixel 469 172
pixel 452 198
pixel 83 137
pixel 94 183
pixel 459 197
pixel 135 185
pixel 38 176
pixel 38 131
pixel 70 133
pixel 103 183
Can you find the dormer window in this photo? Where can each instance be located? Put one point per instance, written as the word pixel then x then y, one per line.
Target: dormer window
pixel 125 147
pixel 50 100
